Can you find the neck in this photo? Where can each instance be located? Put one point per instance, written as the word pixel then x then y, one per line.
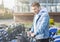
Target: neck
pixel 38 11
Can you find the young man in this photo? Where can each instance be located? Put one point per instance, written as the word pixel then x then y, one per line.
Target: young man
pixel 40 26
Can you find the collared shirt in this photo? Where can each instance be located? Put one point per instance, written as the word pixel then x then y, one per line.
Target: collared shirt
pixel 40 28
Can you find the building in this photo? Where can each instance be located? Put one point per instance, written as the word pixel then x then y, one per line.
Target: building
pixel 24 5
pixel 53 7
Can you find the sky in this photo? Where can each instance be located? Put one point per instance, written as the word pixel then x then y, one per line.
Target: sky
pixel 8 3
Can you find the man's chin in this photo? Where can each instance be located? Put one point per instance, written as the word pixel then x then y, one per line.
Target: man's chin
pixel 36 13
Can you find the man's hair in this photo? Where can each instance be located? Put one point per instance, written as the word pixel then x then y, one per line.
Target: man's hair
pixel 35 4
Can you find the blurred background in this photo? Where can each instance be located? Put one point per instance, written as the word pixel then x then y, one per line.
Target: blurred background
pixel 17 14
pixel 20 10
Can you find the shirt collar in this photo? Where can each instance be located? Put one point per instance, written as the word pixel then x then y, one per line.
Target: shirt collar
pixel 42 10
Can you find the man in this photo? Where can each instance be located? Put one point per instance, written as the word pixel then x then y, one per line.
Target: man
pixel 40 26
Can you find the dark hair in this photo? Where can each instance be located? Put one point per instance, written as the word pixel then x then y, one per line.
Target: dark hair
pixel 35 4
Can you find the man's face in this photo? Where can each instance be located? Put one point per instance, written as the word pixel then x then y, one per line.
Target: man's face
pixel 35 9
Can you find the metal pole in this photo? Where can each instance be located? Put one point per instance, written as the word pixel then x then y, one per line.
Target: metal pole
pixel 47 4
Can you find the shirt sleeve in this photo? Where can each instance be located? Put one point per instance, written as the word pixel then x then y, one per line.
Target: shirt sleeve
pixel 32 29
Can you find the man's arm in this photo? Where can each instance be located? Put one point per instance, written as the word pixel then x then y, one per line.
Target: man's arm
pixel 32 29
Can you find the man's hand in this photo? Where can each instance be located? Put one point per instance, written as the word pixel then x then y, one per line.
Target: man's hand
pixel 32 34
pixel 29 33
